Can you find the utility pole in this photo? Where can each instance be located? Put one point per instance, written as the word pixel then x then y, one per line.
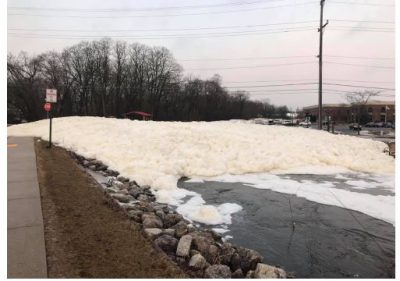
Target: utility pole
pixel 320 30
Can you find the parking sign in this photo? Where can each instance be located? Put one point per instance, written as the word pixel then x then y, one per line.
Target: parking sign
pixel 51 95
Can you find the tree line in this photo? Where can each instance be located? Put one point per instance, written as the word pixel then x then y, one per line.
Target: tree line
pixel 107 78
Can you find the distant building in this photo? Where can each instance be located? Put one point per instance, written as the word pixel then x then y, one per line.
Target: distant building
pixel 373 111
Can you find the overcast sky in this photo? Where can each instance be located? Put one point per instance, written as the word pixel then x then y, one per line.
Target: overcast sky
pixel 209 37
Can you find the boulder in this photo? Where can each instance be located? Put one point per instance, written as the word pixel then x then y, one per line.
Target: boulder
pixel 235 261
pixel 122 179
pixel 169 231
pixel 145 206
pixel 143 197
pixel 202 242
pixel 151 221
pixel 112 173
pixel 134 191
pixel 250 274
pixel 172 219
pixel 238 274
pixel 218 271
pixel 92 167
pixel 268 271
pixel 121 197
pixel 166 243
pixel 85 163
pixel 135 215
pixel 146 187
pixel 183 247
pixel 197 261
pixel 152 233
pixel 117 184
pixel 160 214
pixel 111 190
pixel 227 251
pixel 248 259
pixel 212 254
pixel 180 229
pixel 193 252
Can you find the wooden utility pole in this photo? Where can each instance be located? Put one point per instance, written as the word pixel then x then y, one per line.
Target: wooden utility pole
pixel 320 30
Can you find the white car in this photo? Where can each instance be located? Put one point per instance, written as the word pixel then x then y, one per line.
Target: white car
pixel 305 124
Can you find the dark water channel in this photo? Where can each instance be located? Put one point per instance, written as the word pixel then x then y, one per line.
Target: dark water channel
pixel 324 241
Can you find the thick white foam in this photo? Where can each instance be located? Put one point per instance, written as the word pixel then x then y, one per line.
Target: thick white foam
pixel 159 153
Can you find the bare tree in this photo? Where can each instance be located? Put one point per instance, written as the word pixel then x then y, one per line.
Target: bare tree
pixel 358 100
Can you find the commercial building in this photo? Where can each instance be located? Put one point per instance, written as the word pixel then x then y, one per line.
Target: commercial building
pixel 372 111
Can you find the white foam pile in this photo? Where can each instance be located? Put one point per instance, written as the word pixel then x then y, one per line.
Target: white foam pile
pixel 159 153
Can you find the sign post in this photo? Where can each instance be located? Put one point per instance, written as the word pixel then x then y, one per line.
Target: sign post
pixel 51 97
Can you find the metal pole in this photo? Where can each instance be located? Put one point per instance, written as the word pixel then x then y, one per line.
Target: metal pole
pixel 320 30
pixel 50 128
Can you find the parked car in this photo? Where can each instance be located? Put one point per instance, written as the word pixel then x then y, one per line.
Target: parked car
pixel 355 127
pixel 305 124
pixel 370 125
pixel 379 124
pixel 388 125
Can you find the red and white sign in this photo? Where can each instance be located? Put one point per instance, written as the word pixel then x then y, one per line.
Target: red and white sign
pixel 51 95
pixel 47 106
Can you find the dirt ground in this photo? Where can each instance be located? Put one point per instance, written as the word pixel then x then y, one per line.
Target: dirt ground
pixel 84 235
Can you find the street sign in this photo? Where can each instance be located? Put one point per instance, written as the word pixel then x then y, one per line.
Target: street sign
pixel 47 106
pixel 51 95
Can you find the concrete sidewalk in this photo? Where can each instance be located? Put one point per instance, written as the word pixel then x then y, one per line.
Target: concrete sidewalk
pixel 26 253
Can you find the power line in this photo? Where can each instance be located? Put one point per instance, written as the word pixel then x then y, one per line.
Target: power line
pixel 273 85
pixel 254 66
pixel 162 15
pixel 363 21
pixel 366 58
pixel 362 4
pixel 361 65
pixel 177 36
pixel 168 29
pixel 362 30
pixel 358 86
pixel 141 10
pixel 290 80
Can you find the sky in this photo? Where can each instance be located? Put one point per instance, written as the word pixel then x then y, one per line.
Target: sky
pixel 259 46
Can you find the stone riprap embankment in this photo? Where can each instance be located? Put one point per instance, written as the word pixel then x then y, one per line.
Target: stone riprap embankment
pixel 201 253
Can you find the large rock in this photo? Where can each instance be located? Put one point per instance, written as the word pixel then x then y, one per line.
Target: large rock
pixel 226 253
pixel 135 192
pixel 268 271
pixel 197 261
pixel 213 254
pixel 250 274
pixel 166 243
pixel 238 274
pixel 218 271
pixel 121 197
pixel 152 233
pixel 184 244
pixel 112 173
pixel 151 221
pixel 235 261
pixel 172 219
pixel 169 231
pixel 135 215
pixel 204 243
pixel 180 229
pixel 122 179
pixel 248 259
pixel 117 184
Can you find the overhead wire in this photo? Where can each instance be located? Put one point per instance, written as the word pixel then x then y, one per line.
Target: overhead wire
pixel 162 15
